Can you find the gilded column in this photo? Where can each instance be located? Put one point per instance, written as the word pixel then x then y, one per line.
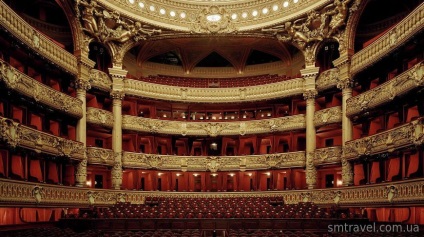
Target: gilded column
pixel 310 74
pixel 345 84
pixel 82 84
pixel 117 95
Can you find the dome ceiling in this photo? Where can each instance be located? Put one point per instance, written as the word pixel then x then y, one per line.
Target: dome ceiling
pixel 237 51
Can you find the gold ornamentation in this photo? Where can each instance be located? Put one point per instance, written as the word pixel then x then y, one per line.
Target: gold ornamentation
pixel 97 155
pixel 81 173
pixel 327 79
pixel 99 117
pixel 310 94
pixel 100 80
pixel 311 171
pixel 10 132
pixel 117 95
pixel 212 20
pixel 116 172
pixel 38 193
pixel 328 116
pixel 328 155
pixel 212 163
pixel 82 84
pixel 391 193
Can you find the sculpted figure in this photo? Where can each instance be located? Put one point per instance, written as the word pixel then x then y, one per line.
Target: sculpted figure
pixel 89 14
pixel 338 15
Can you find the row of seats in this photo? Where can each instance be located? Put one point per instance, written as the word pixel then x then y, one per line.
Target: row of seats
pixel 215 82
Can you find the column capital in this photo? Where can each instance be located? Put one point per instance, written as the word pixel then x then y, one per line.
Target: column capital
pixel 345 84
pixel 310 94
pixel 82 84
pixel 117 95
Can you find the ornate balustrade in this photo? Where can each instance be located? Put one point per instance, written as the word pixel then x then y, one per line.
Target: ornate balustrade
pixel 214 95
pixel 409 134
pixel 100 80
pixel 23 84
pixel 384 93
pixel 328 116
pixel 390 41
pixel 17 135
pixel 327 79
pixel 100 156
pixel 45 47
pixel 328 155
pixel 99 117
pixel 213 163
pixel 35 194
pixel 213 129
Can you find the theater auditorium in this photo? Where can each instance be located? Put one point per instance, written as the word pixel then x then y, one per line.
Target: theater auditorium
pixel 211 118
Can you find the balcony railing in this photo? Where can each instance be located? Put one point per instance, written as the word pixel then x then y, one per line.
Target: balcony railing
pixel 17 135
pixel 31 194
pixel 100 80
pixel 390 41
pixel 214 95
pixel 18 27
pixel 100 117
pixel 386 92
pixel 407 135
pixel 327 79
pixel 213 129
pixel 100 156
pixel 328 155
pixel 213 163
pixel 328 116
pixel 25 85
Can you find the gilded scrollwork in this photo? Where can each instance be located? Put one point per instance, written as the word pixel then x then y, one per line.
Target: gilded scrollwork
pixel 97 155
pixel 328 116
pixel 108 26
pixel 327 79
pixel 212 20
pixel 116 173
pixel 311 171
pixel 213 163
pixel 10 132
pixel 100 80
pixel 328 155
pixel 99 117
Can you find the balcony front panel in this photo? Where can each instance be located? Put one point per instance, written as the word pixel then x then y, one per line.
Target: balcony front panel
pixel 390 41
pixel 214 95
pixel 407 135
pixel 386 92
pixel 213 129
pixel 213 163
pixel 17 135
pixel 328 155
pixel 99 117
pixel 100 80
pixel 100 156
pixel 327 79
pixel 42 45
pixel 25 85
pixel 328 116
pixel 37 194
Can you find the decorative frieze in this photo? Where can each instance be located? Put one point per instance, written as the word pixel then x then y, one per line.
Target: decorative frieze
pixel 24 193
pixel 213 129
pixel 99 117
pixel 213 163
pixel 409 134
pixel 390 41
pixel 214 95
pixel 386 92
pixel 327 79
pixel 41 44
pixel 15 134
pixel 328 116
pixel 100 156
pixel 100 80
pixel 327 155
pixel 23 84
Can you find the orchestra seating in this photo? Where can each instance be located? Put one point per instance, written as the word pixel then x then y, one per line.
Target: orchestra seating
pixel 214 82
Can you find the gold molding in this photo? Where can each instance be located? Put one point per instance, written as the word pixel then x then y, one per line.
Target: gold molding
pixel 42 45
pixel 327 79
pixel 328 155
pixel 214 95
pixel 100 80
pixel 15 134
pixel 386 92
pixel 390 41
pixel 31 194
pixel 213 163
pixel 328 116
pixel 213 129
pixel 100 117
pixel 23 84
pixel 407 135
pixel 100 156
